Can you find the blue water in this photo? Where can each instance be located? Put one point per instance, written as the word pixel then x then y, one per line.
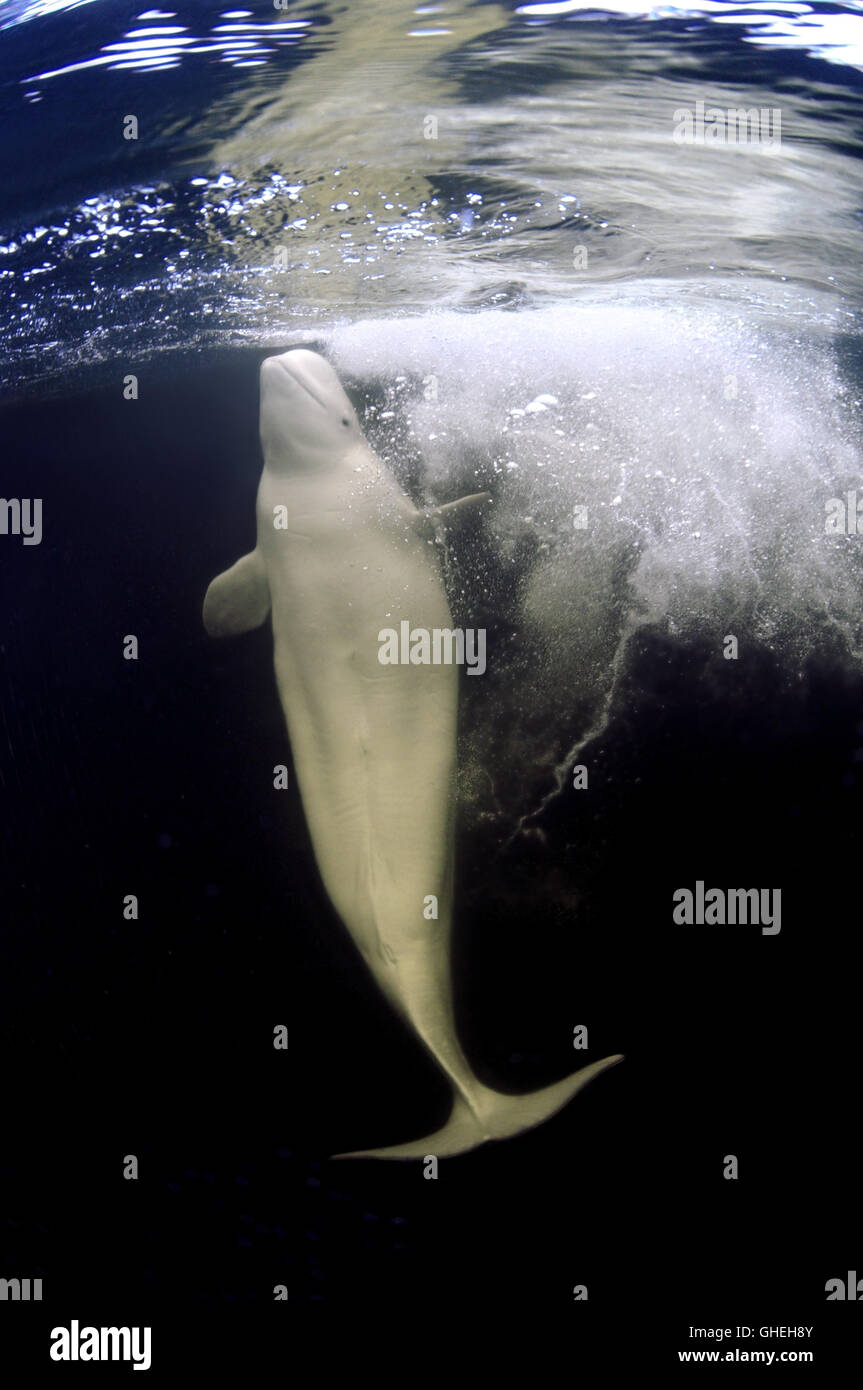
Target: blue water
pixel 285 169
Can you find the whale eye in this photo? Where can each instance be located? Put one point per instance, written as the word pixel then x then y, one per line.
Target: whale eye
pixel 345 420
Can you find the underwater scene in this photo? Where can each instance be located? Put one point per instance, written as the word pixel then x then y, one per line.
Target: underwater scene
pixel 431 676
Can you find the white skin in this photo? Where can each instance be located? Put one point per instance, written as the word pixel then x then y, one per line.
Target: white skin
pixel 373 745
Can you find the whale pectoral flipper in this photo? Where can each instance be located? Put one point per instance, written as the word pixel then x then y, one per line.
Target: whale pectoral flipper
pixel 427 521
pixel 461 504
pixel 238 600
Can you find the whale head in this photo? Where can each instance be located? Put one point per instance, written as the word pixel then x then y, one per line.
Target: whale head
pixel 307 421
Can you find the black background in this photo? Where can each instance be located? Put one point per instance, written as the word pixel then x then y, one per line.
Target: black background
pixel 154 1037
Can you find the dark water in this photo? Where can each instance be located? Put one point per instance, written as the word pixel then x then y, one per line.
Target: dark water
pixel 694 379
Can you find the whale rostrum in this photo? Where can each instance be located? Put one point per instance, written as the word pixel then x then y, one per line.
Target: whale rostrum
pixel 341 555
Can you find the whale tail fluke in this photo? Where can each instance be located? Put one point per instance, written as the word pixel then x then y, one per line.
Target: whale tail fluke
pixel 461 1132
pixel 497 1116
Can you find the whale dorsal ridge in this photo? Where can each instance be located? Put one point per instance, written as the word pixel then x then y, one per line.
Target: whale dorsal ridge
pixel 239 599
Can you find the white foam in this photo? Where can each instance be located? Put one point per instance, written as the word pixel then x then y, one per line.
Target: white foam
pixel 703 447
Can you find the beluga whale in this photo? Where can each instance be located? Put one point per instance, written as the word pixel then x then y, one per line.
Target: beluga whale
pixel 342 556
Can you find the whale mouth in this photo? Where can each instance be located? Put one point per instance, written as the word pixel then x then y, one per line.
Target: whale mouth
pixel 304 385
